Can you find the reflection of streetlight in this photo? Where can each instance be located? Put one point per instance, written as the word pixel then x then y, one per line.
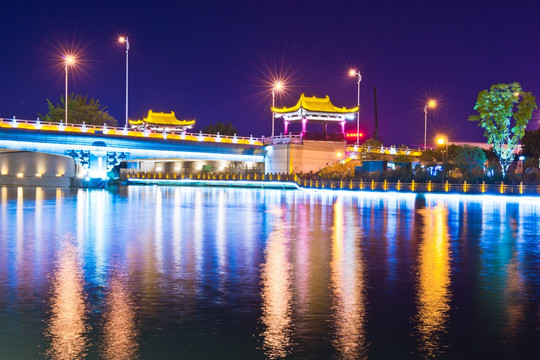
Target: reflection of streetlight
pixel 68 60
pixel 123 39
pixel 278 87
pixel 431 105
pixel 353 72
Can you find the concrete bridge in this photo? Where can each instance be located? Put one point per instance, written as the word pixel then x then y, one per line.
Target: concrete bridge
pixel 98 150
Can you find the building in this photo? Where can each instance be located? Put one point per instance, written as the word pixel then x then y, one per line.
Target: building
pixel 316 110
pixel 159 121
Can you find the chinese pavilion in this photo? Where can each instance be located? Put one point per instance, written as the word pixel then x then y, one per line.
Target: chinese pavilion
pixel 161 121
pixel 314 109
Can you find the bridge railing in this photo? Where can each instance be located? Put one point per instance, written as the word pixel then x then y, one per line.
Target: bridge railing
pixel 283 139
pixel 125 131
pixel 318 183
pixel 391 150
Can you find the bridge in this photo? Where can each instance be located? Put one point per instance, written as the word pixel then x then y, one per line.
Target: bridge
pixel 99 150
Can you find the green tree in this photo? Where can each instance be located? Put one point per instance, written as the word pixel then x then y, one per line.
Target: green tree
pixel 470 160
pixel 223 128
pixel 496 108
pixel 531 143
pixel 80 109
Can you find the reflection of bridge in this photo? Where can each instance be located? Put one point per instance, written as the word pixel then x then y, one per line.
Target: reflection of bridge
pixel 99 150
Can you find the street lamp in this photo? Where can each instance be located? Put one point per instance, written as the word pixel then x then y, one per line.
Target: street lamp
pixel 430 105
pixel 278 87
pixel 68 60
pixel 123 39
pixel 353 72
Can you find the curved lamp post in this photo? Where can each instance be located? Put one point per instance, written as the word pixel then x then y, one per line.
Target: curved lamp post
pixel 123 39
pixel 431 104
pixel 68 60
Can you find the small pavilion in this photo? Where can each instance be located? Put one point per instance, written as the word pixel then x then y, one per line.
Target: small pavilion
pixel 162 121
pixel 314 109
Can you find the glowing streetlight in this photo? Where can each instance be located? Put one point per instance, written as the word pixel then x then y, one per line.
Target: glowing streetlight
pixel 352 73
pixel 431 104
pixel 278 87
pixel 68 60
pixel 123 39
pixel 442 140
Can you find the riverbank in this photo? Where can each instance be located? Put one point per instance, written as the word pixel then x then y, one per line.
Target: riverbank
pixel 293 181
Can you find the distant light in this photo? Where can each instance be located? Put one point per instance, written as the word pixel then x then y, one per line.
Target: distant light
pixel 278 86
pixel 432 104
pixel 354 135
pixel 122 39
pixel 339 154
pixel 521 158
pixel 59 175
pixel 352 72
pixel 38 175
pixel 20 175
pixel 70 59
pixel 440 141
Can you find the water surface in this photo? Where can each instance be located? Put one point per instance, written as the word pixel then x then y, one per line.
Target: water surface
pixel 198 273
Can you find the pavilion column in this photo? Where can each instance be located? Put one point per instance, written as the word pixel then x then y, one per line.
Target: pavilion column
pixel 286 125
pixel 343 127
pixel 324 130
pixel 304 123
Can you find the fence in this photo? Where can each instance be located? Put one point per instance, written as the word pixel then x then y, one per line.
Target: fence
pixel 425 187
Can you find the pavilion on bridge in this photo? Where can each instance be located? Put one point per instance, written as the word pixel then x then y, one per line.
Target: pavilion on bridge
pixel 162 121
pixel 315 110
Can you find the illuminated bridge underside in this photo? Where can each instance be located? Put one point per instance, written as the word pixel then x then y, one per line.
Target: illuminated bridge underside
pixel 61 143
pixel 81 145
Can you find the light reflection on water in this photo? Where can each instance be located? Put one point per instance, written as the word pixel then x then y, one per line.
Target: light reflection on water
pixel 67 329
pixel 195 273
pixel 348 289
pixel 433 281
pixel 276 291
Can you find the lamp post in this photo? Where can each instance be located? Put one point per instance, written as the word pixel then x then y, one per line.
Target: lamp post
pixel 123 39
pixel 278 86
pixel 68 60
pixel 430 105
pixel 352 73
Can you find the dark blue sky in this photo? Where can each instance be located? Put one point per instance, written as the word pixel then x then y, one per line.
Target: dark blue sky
pixel 210 60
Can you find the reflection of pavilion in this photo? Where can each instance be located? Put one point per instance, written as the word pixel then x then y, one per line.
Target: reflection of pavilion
pixel 313 109
pixel 161 121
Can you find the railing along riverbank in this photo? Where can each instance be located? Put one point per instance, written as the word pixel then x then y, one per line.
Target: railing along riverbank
pixel 359 185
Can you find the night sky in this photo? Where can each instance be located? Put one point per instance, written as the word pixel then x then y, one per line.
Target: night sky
pixel 213 61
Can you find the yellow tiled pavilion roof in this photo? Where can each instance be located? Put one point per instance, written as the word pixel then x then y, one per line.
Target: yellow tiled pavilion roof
pixel 163 119
pixel 315 104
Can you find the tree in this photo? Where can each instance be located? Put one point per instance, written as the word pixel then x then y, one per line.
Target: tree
pixel 470 160
pixel 531 143
pixel 496 108
pixel 80 109
pixel 225 128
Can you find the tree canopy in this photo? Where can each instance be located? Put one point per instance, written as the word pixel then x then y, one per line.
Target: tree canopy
pixel 80 109
pixel 496 108
pixel 531 143
pixel 470 160
pixel 223 128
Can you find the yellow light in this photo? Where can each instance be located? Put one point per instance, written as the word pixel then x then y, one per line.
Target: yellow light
pixel 516 94
pixel 432 104
pixel 38 175
pixel 440 141
pixel 122 39
pixel 278 86
pixel 59 175
pixel 70 59
pixel 20 175
pixel 352 72
pixel 339 154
